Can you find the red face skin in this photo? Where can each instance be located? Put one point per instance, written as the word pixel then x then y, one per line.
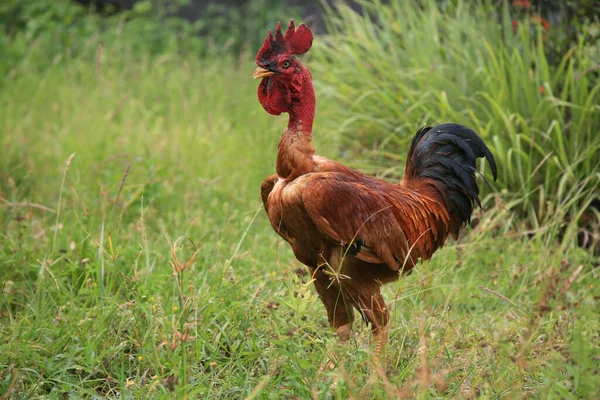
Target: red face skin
pixel 287 85
pixel 275 91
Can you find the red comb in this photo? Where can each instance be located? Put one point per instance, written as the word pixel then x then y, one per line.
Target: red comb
pixel 295 41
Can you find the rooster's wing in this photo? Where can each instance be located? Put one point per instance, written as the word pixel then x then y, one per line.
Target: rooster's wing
pixel 364 216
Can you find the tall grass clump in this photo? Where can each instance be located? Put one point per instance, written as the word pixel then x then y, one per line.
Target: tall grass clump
pixel 405 64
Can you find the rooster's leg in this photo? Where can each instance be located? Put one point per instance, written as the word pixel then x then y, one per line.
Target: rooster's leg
pixel 339 309
pixel 362 286
pixel 374 310
pixel 380 329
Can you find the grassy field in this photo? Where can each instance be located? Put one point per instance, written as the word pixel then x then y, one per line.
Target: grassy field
pixel 136 261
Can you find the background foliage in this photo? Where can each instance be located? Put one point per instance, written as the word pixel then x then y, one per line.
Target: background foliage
pixel 409 64
pixel 49 29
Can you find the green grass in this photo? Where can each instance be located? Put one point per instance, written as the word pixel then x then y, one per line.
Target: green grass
pixel 135 259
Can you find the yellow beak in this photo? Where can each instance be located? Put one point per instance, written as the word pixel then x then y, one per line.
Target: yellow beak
pixel 262 73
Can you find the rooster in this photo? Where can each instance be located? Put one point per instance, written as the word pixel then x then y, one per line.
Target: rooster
pixel 353 231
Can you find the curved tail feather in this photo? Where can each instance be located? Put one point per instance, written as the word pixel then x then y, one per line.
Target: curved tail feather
pixel 446 157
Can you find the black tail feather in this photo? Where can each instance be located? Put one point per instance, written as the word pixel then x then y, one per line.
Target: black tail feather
pixel 447 154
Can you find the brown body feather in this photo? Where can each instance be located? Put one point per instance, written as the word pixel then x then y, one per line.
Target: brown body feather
pixel 330 207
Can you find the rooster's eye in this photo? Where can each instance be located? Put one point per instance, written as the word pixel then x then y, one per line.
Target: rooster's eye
pixel 285 64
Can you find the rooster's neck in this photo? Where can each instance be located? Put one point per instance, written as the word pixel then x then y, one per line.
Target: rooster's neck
pixel 295 155
pixel 302 110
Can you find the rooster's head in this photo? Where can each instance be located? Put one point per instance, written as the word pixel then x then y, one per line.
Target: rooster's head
pixel 282 74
